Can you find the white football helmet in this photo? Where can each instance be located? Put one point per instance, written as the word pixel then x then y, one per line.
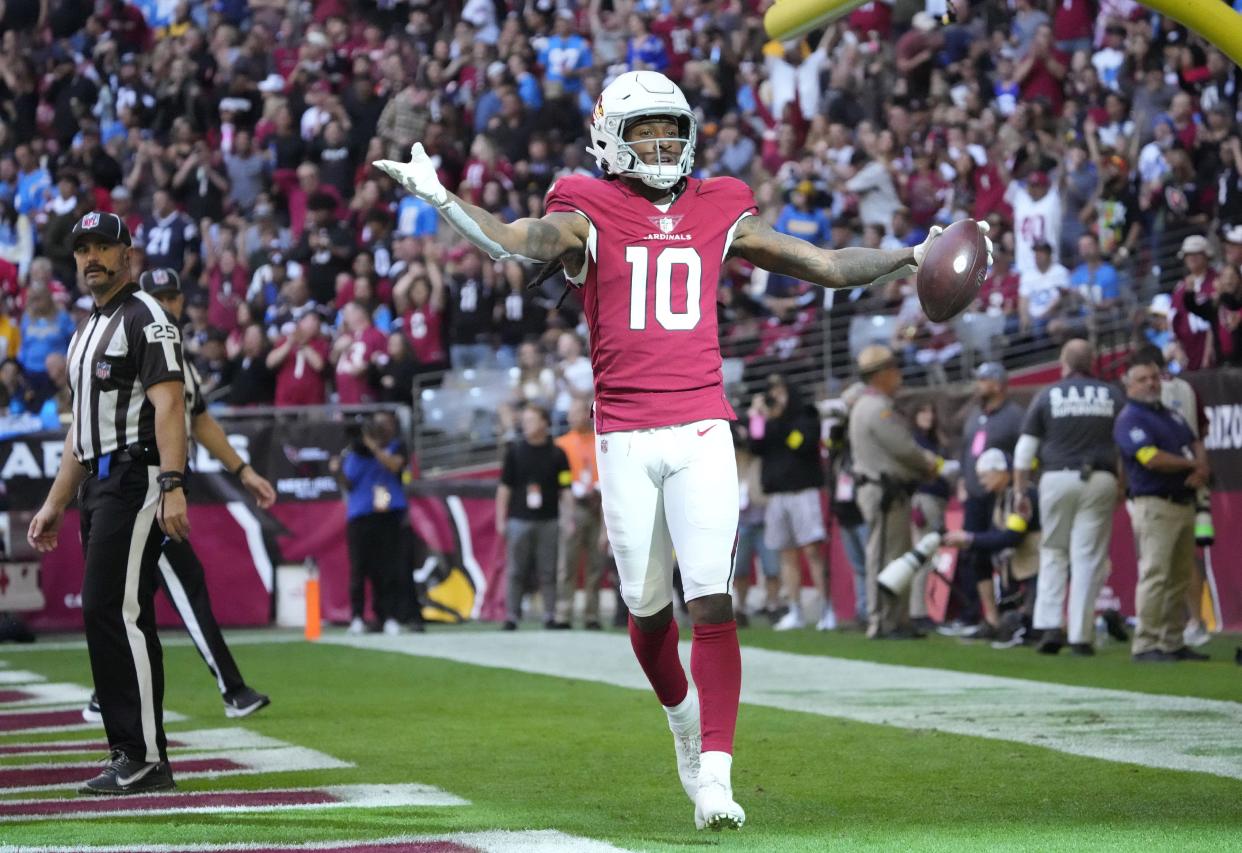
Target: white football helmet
pixel 634 95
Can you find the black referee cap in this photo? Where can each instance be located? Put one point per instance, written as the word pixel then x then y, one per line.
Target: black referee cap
pixel 104 226
pixel 160 280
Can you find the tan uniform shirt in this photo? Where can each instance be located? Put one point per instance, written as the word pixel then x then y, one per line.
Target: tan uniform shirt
pixel 881 442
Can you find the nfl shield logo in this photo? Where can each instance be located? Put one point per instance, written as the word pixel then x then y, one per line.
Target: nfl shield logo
pixel 103 369
pixel 159 276
pixel 90 220
pixel 666 224
pixel 603 445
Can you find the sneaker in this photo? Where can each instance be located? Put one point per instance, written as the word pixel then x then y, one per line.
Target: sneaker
pixel 1082 650
pixel 1196 635
pixel 357 626
pixel 1016 638
pixel 1115 624
pixel 244 702
pixel 956 628
pixel 553 625
pixel 982 631
pixel 1154 656
pixel 791 621
pixel 91 712
pixel 1050 643
pixel 714 807
pixel 688 744
pixel 827 622
pixel 392 627
pixel 1187 653
pixel 776 614
pixel 124 776
pixel 509 625
pixel 593 625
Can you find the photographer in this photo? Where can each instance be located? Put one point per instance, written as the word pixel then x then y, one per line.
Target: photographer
pixel 370 472
pixel 784 432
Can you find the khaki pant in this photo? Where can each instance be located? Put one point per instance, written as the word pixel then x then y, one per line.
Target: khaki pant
pixel 1076 519
pixel 888 538
pixel 582 542
pixel 1165 534
pixel 932 508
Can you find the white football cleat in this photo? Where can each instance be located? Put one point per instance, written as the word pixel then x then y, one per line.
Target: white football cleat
pixel 687 743
pixel 357 626
pixel 827 622
pixel 714 807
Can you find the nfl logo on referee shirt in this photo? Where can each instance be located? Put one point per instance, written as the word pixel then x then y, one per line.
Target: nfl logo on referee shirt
pixel 103 369
pixel 90 220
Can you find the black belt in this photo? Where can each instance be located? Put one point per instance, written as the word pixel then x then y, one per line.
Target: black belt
pixel 1183 500
pixel 101 466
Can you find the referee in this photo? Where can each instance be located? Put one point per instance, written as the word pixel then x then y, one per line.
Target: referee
pixel 125 457
pixel 181 573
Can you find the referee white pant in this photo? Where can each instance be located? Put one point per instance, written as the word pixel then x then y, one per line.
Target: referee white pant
pixel 1076 518
pixel 121 540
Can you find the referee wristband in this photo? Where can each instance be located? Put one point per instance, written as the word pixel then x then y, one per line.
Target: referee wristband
pixel 237 472
pixel 171 480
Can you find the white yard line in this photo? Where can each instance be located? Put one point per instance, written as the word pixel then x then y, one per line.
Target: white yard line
pixel 1174 732
pixel 48 694
pixel 344 796
pixel 188 743
pixel 496 841
pixel 13 677
pixel 170 638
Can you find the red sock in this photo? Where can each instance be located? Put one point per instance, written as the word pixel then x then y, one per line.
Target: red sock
pixel 716 664
pixel 657 654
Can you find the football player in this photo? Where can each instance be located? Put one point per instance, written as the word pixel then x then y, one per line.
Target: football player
pixel 646 243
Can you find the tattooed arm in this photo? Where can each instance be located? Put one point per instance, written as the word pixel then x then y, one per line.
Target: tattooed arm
pixel 545 239
pixel 758 243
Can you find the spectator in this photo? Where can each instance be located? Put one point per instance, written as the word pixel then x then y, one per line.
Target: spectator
pixel 227 283
pixel 573 373
pixel 358 352
pixel 534 482
pixel 750 533
pixel 470 323
pixel 582 535
pixel 61 395
pixel 1041 291
pixel 1036 219
pixel 10 332
pixel 1095 279
pixel 246 169
pixel 927 506
pixel 1196 336
pixel 16 395
pixel 325 249
pixel 399 372
pixel 45 329
pixel 784 434
pixel 250 381
pixel 1000 294
pixel 299 359
pixel 168 237
pixel 566 55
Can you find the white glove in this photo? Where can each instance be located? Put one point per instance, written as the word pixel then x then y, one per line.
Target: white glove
pixel 417 176
pixel 921 249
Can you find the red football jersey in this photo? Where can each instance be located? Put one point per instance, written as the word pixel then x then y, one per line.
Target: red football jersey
pixel 649 293
pixel 365 350
pixel 296 383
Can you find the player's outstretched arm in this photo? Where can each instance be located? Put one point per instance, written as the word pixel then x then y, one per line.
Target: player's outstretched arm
pixel 757 242
pixel 544 239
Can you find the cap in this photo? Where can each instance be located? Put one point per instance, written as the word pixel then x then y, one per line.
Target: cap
pixel 923 22
pixel 1234 235
pixel 993 370
pixel 496 69
pixel 271 84
pixel 875 358
pixel 992 459
pixel 160 280
pixel 1038 179
pixel 1195 244
pixel 1161 304
pixel 105 226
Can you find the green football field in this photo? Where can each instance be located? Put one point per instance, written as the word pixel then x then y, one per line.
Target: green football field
pixel 546 731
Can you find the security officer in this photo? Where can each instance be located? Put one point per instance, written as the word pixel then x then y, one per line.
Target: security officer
pixel 126 450
pixel 887 465
pixel 1069 428
pixel 1165 464
pixel 181 573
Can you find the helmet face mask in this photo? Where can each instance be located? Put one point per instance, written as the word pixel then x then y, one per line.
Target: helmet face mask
pixel 630 99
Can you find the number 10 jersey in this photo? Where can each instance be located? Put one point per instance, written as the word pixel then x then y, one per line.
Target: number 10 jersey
pixel 649 293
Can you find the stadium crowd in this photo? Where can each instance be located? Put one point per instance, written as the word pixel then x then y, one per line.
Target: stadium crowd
pixel 235 140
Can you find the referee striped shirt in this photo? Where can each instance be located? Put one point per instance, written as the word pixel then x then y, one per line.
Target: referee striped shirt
pixel 118 352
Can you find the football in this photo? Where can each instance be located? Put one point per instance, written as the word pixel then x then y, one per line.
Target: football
pixel 952 271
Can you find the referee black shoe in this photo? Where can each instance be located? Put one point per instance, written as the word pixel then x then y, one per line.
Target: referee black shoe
pixel 91 712
pixel 124 776
pixel 243 702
